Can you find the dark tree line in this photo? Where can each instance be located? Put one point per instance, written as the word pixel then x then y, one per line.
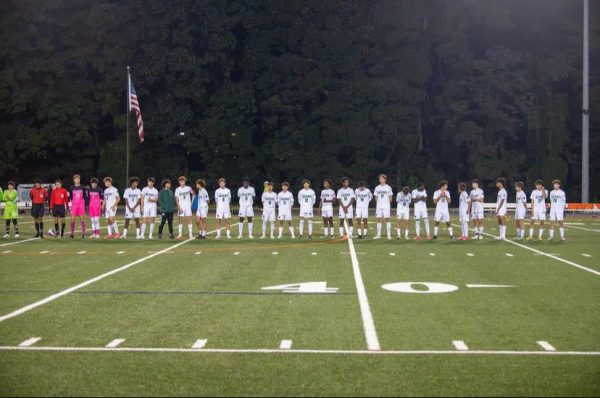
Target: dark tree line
pixel 419 90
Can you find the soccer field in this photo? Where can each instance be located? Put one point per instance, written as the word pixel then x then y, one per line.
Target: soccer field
pixel 302 317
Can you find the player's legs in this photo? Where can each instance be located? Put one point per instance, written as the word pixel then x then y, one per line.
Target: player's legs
pixel 219 223
pixel 250 226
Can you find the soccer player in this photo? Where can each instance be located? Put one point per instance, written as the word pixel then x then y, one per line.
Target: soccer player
pixel 326 207
pixel 166 205
pixel 403 200
pixel 558 202
pixel 184 195
pixel 111 200
pixel 133 199
pixel 501 207
pixel 223 199
pixel 59 198
pixel 363 197
pixel 346 200
pixel 476 208
pixel 149 204
pixel 269 201
pixel 78 196
pixel 96 197
pixel 285 201
pixel 202 211
pixel 463 210
pixel 520 210
pixel 38 197
pixel 419 198
pixel 11 213
pixel 383 199
pixel 307 199
pixel 246 195
pixel 538 208
pixel 441 198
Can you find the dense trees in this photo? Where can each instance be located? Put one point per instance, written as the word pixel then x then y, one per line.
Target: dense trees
pixel 420 90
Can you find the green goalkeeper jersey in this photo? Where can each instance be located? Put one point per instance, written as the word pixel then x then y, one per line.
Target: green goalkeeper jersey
pixel 10 197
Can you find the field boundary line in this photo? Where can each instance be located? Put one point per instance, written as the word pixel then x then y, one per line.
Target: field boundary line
pixel 363 301
pixel 582 229
pixel 17 242
pixel 55 296
pixel 302 351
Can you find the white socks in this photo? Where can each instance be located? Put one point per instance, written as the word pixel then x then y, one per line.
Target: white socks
pixel 465 228
pixel 250 228
pixel 379 229
pixel 115 227
pixel 180 229
pixel 151 229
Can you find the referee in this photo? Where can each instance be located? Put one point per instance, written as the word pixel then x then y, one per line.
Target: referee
pixel 38 197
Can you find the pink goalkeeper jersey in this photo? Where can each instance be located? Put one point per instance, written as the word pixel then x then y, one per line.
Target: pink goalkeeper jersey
pixel 95 206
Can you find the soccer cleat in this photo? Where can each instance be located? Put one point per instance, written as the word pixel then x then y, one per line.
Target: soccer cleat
pixel 428 237
pixel 389 237
pixel 434 236
pixel 550 238
pixel 332 237
pixel 239 236
pixel 16 236
pixel 6 236
pixel 149 236
pixel 159 236
pixel 263 236
pixel 117 235
pixel 417 237
pixel 179 236
pixel 541 238
pixel 190 236
pixel 171 236
pixel 71 236
pixel 272 236
pixel 498 238
pixel 563 238
pixel 108 237
pixel 529 238
pixel 451 237
pixel 480 237
pixel 249 237
pixel 377 237
pixel 406 237
pixel 278 236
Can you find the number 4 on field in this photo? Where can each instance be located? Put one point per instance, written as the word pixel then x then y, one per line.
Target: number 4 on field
pixel 304 287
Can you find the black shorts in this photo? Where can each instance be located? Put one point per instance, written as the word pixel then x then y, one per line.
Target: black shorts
pixel 37 210
pixel 59 211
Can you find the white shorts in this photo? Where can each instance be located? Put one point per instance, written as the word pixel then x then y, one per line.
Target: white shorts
pixel 285 215
pixel 246 211
pixel 463 216
pixel 557 214
pixel 403 213
pixel 327 211
pixel 202 211
pixel 477 214
pixel 420 213
pixel 132 214
pixel 223 213
pixel 362 213
pixel 382 212
pixel 442 216
pixel 109 213
pixel 539 214
pixel 268 214
pixel 502 212
pixel 150 211
pixel 185 212
pixel 349 214
pixel 520 214
pixel 306 213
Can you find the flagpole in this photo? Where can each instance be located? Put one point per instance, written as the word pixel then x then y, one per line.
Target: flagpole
pixel 128 112
pixel 585 130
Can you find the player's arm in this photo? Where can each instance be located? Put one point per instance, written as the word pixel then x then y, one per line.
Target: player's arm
pixel 391 197
pixel 447 195
pixel 117 201
pixel 51 202
pixel 500 205
pixel 437 198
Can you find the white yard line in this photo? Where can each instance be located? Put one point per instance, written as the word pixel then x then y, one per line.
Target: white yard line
pixel 30 342
pixel 19 241
pixel 365 309
pixel 582 229
pixel 89 282
pixel 294 351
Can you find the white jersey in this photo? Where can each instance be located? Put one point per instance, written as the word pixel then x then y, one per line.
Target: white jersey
pixel 383 193
pixel 223 198
pixel 477 197
pixel 403 200
pixel 307 198
pixel 463 203
pixel 269 200
pixel 558 200
pixel 150 196
pixel 132 196
pixel 285 201
pixel 327 194
pixel 442 204
pixel 184 196
pixel 345 196
pixel 110 197
pixel 363 197
pixel 421 205
pixel 246 196
pixel 539 201
pixel 502 197
pixel 521 202
pixel 203 198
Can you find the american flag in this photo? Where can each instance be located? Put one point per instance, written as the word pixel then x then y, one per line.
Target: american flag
pixel 134 106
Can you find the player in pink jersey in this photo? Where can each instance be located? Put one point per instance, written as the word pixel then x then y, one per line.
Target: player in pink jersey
pixel 78 196
pixel 96 197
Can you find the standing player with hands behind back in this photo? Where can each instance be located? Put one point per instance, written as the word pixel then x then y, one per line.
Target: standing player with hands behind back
pixel 149 205
pixel 38 197
pixel 326 207
pixel 59 198
pixel 307 199
pixel 133 198
pixel 78 196
pixel 538 208
pixel 346 199
pixel 383 198
pixel 558 202
pixel 476 208
pixel 184 195
pixel 501 207
pixel 109 205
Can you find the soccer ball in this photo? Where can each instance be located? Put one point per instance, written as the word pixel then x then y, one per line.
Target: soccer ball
pixel 51 232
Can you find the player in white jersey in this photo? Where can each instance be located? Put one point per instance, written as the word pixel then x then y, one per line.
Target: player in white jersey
pixel 149 204
pixel 463 210
pixel 346 199
pixel 383 198
pixel 538 208
pixel 558 203
pixel 501 207
pixel 520 209
pixel 419 198
pixel 326 207
pixel 363 197
pixel 184 196
pixel 246 195
pixel 476 208
pixel 223 213
pixel 133 199
pixel 285 201
pixel 307 199
pixel 202 211
pixel 109 205
pixel 442 199
pixel 403 201
pixel 269 201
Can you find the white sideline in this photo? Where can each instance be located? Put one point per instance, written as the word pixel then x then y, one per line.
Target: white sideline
pixel 582 229
pixel 303 351
pixel 365 309
pixel 17 242
pixel 90 281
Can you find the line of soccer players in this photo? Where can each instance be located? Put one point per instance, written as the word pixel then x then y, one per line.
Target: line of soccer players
pixel 143 206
